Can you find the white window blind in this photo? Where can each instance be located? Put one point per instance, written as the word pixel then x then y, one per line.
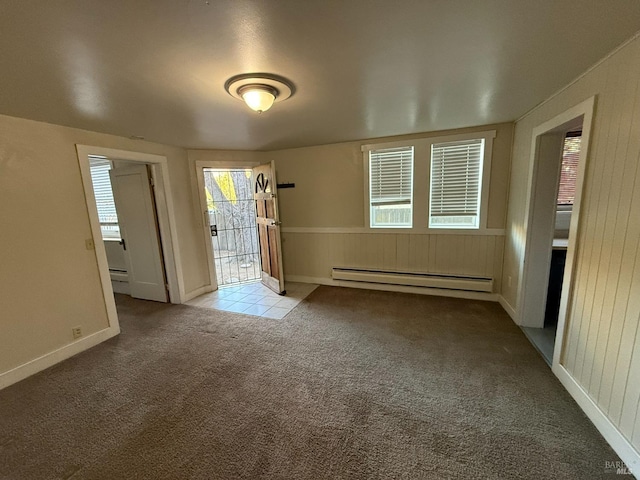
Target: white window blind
pixel 456 183
pixel 391 187
pixel 107 215
pixel 569 169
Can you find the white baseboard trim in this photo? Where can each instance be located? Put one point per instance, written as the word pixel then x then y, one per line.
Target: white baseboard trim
pixel 196 293
pixel 629 455
pixel 492 297
pixel 507 307
pixel 48 360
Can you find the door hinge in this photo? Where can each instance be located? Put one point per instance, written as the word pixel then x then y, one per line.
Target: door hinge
pixel 166 287
pixel 152 182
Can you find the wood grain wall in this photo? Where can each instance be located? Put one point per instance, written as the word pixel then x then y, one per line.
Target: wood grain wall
pixel 602 338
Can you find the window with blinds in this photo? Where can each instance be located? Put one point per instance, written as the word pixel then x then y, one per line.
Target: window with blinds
pixel 99 168
pixel 391 187
pixel 569 169
pixel 456 184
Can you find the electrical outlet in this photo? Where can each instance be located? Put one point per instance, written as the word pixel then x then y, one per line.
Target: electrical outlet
pixel 88 243
pixel 77 332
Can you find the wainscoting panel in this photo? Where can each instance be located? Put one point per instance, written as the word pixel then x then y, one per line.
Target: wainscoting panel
pixel 601 351
pixel 314 254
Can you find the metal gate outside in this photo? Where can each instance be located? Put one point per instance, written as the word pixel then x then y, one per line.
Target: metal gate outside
pixel 232 220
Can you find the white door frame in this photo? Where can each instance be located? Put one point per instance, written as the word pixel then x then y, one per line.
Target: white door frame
pixel 529 274
pixel 203 210
pixel 166 220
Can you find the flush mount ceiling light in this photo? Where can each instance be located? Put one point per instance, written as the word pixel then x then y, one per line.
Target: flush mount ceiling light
pixel 259 90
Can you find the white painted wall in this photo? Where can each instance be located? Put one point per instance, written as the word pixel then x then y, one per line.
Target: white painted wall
pixel 602 346
pixel 323 216
pixel 49 281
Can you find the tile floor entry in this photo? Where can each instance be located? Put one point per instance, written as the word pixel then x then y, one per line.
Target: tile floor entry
pixel 254 299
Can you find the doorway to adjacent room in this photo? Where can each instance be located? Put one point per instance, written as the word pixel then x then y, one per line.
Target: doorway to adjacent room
pixel 559 155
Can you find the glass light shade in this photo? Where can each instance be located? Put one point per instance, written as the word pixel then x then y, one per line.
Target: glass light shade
pixel 258 98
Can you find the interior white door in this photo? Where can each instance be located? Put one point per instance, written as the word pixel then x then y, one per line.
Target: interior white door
pixel 133 196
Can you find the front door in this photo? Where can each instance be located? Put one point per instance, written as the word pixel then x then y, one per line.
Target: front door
pixel 139 229
pixel 265 195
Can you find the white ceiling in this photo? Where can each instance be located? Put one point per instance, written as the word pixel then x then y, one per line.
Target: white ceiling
pixel 362 68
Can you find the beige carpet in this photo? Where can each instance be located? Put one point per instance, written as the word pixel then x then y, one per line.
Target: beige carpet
pixel 352 384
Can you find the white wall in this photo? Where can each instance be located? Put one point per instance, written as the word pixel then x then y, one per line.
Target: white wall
pixel 602 340
pixel 48 280
pixel 323 216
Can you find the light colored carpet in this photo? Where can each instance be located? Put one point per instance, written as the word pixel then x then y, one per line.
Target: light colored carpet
pixel 352 384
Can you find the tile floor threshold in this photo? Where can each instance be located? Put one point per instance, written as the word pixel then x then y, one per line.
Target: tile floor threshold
pixel 254 299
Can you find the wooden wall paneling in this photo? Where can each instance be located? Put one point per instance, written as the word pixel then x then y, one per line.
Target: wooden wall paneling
pixel 336 250
pixel 456 255
pixel 629 347
pixel 402 252
pixel 448 258
pixel 389 252
pixel 320 261
pixel 428 253
pixel 635 439
pixel 441 246
pixel 629 206
pixel 305 252
pixel 594 289
pixel 631 394
pixel 372 252
pixel 489 259
pixel 615 226
pixel 315 254
pixel 372 249
pixel 482 252
pixel 415 253
pixel 585 282
pixel 497 264
pixel 351 249
pixel 469 256
pixel 351 243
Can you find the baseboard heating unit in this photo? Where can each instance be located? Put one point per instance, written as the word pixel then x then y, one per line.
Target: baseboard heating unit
pixel 430 280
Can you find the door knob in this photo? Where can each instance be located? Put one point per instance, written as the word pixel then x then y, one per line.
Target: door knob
pixel 275 223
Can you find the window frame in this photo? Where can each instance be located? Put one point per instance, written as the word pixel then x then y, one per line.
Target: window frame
pixel 421 188
pixel 479 197
pixel 105 160
pixel 412 187
pixel 568 207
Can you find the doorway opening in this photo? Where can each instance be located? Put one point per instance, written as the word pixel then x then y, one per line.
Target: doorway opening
pixel 124 193
pixel 232 224
pixel 165 224
pixel 544 338
pixel 559 153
